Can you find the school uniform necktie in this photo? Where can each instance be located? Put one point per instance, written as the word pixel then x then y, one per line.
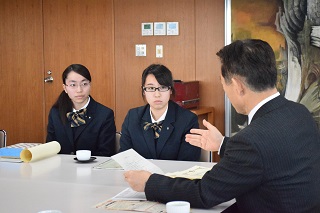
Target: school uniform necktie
pixel 77 118
pixel 155 126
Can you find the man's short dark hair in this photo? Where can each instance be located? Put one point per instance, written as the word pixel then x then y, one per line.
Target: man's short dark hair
pixel 251 59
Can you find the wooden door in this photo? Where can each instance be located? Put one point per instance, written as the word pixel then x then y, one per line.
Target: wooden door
pixel 79 32
pixel 21 70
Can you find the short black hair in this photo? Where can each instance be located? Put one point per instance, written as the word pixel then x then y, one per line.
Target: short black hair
pixel 252 59
pixel 161 73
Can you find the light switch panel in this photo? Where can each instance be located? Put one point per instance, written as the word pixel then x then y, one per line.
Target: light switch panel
pixel 141 50
pixel 159 51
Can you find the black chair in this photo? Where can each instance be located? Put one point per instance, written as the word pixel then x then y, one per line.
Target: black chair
pixel 206 156
pixel 117 147
pixel 3 138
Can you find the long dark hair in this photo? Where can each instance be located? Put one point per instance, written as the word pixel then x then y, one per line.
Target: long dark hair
pixel 64 103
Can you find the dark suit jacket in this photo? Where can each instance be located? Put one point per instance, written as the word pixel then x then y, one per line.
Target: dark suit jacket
pixel 171 144
pixel 272 165
pixel 97 135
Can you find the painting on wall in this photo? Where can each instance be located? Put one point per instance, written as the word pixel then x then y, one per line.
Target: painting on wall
pixel 292 28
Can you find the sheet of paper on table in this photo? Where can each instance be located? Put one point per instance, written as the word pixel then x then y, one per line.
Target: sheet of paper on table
pixel 131 160
pixel 130 200
pixel 109 164
pixel 130 194
pixel 132 205
pixel 195 172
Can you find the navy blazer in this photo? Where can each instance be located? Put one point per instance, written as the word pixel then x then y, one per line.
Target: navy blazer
pixel 97 135
pixel 272 165
pixel 171 144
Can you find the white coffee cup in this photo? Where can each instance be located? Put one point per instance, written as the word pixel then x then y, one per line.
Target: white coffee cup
pixel 83 154
pixel 178 207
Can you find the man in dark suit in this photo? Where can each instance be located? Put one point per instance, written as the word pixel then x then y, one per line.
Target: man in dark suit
pixel 272 165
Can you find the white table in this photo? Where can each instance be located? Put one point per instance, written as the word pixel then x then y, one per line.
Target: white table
pixel 61 183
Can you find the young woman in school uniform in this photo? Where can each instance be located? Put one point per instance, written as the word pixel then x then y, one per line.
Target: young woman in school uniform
pixel 157 130
pixel 79 122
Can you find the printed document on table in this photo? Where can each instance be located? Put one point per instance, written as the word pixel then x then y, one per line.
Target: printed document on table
pixel 130 194
pixel 108 164
pixel 195 172
pixel 132 205
pixel 130 200
pixel 131 160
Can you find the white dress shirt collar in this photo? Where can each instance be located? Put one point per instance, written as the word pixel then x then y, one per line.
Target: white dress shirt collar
pixel 255 109
pixel 163 116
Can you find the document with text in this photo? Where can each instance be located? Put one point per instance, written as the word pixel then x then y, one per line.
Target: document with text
pixel 130 200
pixel 132 205
pixel 131 160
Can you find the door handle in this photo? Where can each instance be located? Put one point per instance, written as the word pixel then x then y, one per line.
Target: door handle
pixel 48 79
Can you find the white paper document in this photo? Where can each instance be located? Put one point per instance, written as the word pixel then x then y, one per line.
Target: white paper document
pixel 131 160
pixel 132 205
pixel 195 172
pixel 130 200
pixel 130 194
pixel 108 164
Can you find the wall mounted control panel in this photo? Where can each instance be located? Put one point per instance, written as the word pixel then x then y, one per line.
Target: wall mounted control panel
pixel 160 28
pixel 172 28
pixel 147 29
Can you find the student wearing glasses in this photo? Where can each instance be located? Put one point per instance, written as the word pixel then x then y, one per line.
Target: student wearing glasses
pixel 77 121
pixel 157 130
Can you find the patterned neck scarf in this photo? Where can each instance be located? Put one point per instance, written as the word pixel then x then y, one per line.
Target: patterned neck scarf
pixel 155 126
pixel 77 118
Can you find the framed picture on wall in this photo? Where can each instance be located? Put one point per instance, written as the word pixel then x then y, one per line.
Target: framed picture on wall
pixel 294 34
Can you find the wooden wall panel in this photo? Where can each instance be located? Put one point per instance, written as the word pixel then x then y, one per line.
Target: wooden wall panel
pixel 209 40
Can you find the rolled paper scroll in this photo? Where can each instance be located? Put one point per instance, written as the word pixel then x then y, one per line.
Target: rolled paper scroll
pixel 39 152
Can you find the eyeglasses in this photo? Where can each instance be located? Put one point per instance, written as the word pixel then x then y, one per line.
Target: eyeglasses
pixel 83 85
pixel 153 89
